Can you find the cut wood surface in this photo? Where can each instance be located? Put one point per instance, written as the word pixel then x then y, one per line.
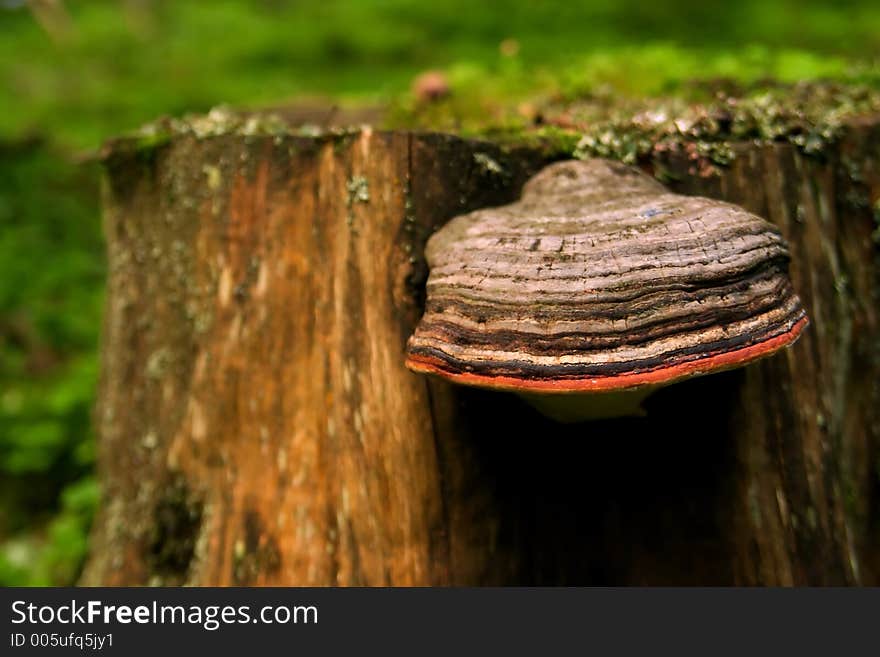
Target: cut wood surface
pixel 257 424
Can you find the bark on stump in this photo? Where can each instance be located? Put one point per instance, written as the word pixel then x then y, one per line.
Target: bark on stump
pixel 257 424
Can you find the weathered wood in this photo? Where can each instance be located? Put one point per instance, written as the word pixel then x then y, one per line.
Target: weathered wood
pixel 258 426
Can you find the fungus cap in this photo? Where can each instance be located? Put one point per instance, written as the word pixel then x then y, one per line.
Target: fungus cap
pixel 601 280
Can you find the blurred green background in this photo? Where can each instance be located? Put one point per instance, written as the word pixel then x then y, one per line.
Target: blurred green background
pixel 74 73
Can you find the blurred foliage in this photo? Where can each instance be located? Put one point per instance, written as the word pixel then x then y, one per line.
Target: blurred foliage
pixel 71 78
pixel 600 85
pixel 51 285
pixel 121 63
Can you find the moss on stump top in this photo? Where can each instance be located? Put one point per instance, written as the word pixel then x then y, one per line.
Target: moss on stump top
pixel 706 120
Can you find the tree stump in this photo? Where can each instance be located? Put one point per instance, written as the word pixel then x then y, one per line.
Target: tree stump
pixel 258 427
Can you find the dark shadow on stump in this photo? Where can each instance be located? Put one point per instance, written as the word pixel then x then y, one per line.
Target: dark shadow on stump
pixel 632 500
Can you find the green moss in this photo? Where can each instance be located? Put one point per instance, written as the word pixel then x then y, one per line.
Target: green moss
pixel 702 119
pixel 706 120
pixel 220 121
pixel 808 115
pixel 151 140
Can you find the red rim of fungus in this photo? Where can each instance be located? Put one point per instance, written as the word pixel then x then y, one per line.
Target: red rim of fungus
pixel 661 376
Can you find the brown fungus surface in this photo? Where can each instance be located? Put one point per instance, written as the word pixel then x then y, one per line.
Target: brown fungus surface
pixel 601 280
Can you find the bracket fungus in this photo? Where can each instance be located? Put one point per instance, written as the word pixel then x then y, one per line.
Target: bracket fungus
pixel 598 286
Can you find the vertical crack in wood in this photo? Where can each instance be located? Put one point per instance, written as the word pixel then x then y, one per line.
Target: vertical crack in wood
pixel 441 538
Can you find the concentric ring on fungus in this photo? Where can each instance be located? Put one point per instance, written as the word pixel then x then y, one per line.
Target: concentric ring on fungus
pixel 600 280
